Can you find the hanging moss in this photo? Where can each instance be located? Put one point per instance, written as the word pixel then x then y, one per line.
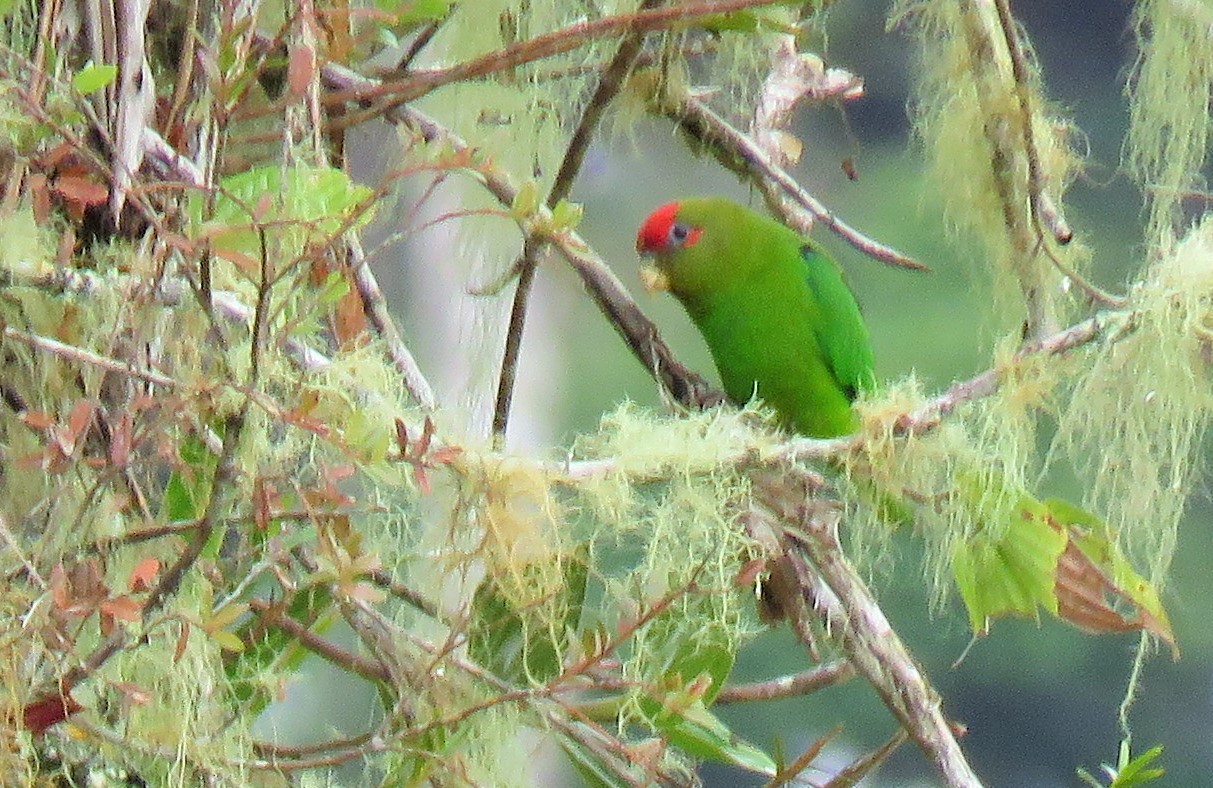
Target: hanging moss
pixel 1138 412
pixel 973 119
pixel 1169 108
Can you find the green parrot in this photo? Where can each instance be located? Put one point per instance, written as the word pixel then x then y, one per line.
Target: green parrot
pixel 779 320
pixel 783 326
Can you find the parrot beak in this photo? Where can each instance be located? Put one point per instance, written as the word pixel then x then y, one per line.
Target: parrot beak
pixel 653 279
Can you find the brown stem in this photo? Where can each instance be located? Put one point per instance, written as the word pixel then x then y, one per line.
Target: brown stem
pixel 837 593
pixel 608 87
pixel 739 152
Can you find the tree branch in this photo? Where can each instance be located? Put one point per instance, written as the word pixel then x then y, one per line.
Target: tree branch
pixel 856 622
pixel 608 86
pixel 791 686
pixel 418 83
pixel 741 154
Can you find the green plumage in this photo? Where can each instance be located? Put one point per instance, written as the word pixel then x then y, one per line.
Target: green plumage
pixel 774 310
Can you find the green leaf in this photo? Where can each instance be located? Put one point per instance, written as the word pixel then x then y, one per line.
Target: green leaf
pixel 407 14
pixel 566 215
pixel 698 732
pixel 92 77
pixel 1129 771
pixel 298 206
pixel 526 201
pixel 189 486
pixel 1015 574
pixel 519 644
pixel 746 21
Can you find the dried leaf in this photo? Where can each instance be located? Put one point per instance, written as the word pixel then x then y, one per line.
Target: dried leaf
pixel 301 69
pixel 36 717
pixel 80 190
pixel 121 434
pixel 132 694
pixel 143 576
pixel 122 608
pixel 794 77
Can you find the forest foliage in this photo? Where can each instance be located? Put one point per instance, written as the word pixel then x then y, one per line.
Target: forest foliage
pixel 218 450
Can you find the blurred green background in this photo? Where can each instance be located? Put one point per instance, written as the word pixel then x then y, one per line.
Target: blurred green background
pixel 1039 700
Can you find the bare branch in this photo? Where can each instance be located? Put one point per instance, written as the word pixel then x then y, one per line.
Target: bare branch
pixel 381 318
pixel 608 86
pixel 418 83
pixel 794 685
pixel 741 154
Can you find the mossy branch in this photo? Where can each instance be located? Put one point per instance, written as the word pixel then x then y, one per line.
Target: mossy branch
pixel 808 529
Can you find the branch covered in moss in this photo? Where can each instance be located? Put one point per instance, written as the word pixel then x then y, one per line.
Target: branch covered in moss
pixel 855 621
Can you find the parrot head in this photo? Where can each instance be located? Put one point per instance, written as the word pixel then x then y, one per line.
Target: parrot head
pixel 694 244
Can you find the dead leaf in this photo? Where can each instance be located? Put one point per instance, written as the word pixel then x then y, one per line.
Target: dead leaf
pixel 39 715
pixel 143 576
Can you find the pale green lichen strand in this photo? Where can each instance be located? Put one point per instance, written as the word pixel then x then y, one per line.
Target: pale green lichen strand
pixel 1169 107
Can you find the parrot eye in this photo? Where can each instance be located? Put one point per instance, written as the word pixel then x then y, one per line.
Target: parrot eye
pixel 682 234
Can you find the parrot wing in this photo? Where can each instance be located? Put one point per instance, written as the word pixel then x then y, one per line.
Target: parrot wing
pixel 841 332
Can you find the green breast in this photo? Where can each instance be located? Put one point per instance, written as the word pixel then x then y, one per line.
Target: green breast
pixel 763 339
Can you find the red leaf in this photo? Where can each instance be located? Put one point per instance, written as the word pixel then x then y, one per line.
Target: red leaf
pixel 120 439
pixel 41 193
pixel 36 717
pixel 80 190
pixel 339 472
pixel 122 608
pixel 422 479
pixel 182 641
pixel 402 437
pixel 301 69
pixel 264 203
pixel 261 504
pixel 427 435
pixel 349 320
pixel 133 694
pixel 144 574
pixel 246 263
pixel 37 419
pixel 749 573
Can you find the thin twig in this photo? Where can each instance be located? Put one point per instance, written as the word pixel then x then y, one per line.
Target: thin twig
pixel 380 317
pixel 790 772
pixel 790 686
pixel 81 356
pixel 1042 211
pixel 640 333
pixel 608 87
pixel 415 84
pixel 369 669
pixel 866 765
pixel 739 152
pixel 986 383
pixel 525 269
